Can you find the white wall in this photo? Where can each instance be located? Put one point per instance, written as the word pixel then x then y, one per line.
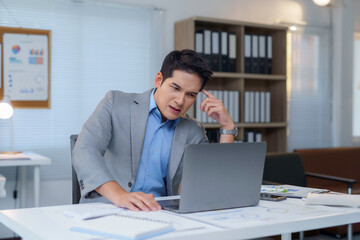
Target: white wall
pixel 261 11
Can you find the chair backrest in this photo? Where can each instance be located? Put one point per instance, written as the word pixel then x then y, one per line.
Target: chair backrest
pixel 284 168
pixel 75 184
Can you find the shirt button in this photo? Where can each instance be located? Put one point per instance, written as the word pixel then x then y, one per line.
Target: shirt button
pixel 149 174
pixel 129 184
pixel 154 149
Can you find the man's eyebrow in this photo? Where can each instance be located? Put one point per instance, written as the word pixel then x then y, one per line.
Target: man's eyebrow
pixel 176 85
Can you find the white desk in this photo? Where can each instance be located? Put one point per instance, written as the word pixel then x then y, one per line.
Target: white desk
pixel 50 223
pixel 36 161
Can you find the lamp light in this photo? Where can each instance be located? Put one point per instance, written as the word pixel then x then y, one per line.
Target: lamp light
pixel 293 28
pixel 322 3
pixel 7 111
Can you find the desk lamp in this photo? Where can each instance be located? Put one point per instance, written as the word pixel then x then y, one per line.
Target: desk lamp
pixel 6 111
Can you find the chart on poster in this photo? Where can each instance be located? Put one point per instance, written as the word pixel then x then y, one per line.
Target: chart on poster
pixel 25 66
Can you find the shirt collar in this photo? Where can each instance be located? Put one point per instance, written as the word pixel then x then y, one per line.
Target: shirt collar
pixel 153 108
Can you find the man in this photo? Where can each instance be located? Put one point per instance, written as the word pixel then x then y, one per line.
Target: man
pixel 131 147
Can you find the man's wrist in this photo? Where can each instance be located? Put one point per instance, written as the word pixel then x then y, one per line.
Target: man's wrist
pixel 228 126
pixel 233 131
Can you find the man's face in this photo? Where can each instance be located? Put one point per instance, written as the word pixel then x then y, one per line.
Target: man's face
pixel 176 94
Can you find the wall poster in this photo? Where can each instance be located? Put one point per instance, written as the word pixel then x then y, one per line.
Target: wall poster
pixel 25 67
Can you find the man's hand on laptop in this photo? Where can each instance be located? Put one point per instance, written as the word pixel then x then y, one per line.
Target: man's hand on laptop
pixel 138 201
pixel 135 201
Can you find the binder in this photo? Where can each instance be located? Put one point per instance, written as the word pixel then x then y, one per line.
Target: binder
pixel 207 47
pixel 236 107
pixel 226 99
pixel 247 107
pixel 267 108
pixel 213 135
pixel 262 107
pixel 199 42
pixel 215 51
pixel 251 107
pixel 231 104
pixel 224 56
pixel 269 54
pixel 258 137
pixel 255 54
pixel 247 53
pixel 232 52
pixel 250 136
pixel 257 107
pixel 262 54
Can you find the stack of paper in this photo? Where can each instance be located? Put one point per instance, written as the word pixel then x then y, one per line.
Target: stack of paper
pixel 333 199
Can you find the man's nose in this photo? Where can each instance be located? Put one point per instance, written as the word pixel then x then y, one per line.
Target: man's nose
pixel 180 99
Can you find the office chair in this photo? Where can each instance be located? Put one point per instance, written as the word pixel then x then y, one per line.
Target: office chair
pixel 288 168
pixel 76 195
pixel 284 168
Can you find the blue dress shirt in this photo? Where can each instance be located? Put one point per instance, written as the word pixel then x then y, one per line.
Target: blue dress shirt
pixel 151 175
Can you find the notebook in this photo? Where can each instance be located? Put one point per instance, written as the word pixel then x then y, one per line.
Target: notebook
pixel 219 176
pixel 123 227
pixel 333 199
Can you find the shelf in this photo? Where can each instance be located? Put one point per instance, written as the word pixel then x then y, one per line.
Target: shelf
pixel 264 76
pixel 236 23
pixel 274 133
pixel 249 76
pixel 249 125
pixel 263 125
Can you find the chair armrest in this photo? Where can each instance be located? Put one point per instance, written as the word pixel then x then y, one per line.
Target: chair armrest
pixel 329 177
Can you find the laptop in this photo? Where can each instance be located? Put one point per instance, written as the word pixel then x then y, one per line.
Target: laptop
pixel 219 176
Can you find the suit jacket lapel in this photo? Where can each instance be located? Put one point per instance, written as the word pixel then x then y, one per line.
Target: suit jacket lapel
pixel 139 109
pixel 177 148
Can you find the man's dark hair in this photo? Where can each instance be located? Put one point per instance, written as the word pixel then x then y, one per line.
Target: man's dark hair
pixel 188 61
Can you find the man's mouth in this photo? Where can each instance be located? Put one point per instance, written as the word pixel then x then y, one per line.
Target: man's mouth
pixel 176 110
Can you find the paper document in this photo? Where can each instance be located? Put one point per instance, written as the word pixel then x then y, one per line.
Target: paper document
pixel 92 210
pixel 275 212
pixel 123 227
pixel 333 199
pixel 178 221
pixel 290 190
pixel 96 210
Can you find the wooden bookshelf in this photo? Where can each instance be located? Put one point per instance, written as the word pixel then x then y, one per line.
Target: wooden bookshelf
pixel 274 132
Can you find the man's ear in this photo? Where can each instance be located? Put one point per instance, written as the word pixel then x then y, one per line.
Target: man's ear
pixel 158 79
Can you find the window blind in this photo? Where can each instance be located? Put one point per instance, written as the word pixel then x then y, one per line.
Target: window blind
pixel 309 89
pixel 356 87
pixel 95 48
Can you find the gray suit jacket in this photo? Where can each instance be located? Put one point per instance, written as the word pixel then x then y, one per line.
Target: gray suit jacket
pixel 111 140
